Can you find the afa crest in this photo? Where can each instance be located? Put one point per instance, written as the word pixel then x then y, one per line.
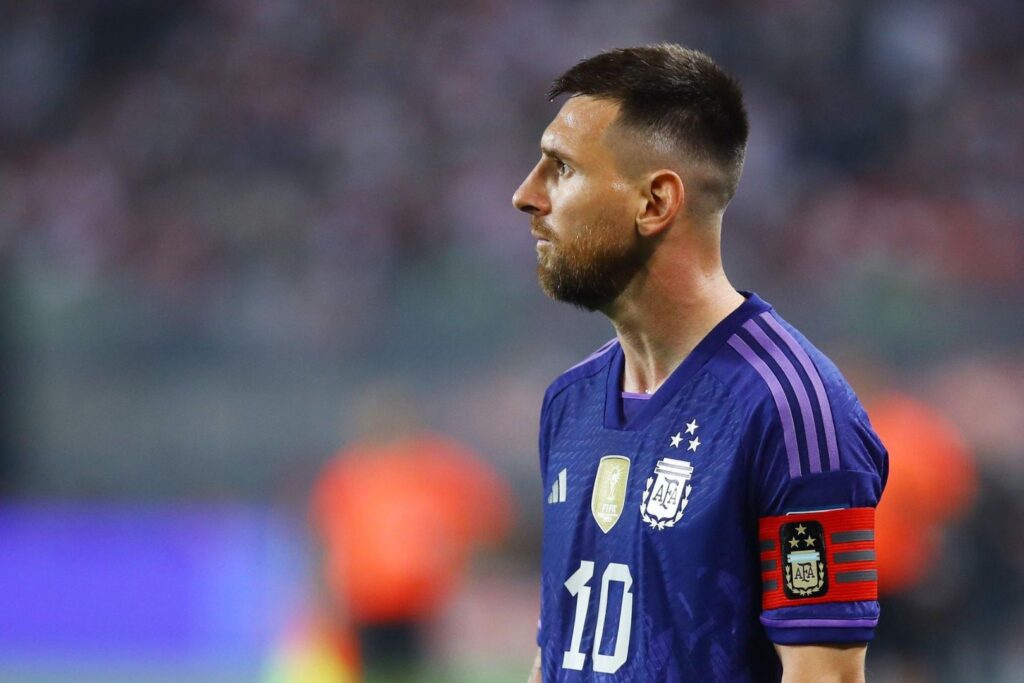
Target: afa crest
pixel 667 493
pixel 803 560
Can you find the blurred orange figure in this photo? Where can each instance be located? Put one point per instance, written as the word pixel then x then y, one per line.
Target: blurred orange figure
pixel 932 481
pixel 398 520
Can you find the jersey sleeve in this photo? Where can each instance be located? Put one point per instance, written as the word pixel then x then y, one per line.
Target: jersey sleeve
pixel 815 486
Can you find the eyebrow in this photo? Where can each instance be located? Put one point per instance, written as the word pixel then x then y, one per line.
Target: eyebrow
pixel 555 153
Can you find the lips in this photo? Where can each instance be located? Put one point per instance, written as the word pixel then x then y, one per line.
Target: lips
pixel 539 234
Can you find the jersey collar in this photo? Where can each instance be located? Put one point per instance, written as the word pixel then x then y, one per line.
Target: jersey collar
pixel 691 365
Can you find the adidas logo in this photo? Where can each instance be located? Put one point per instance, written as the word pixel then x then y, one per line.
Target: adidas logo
pixel 557 494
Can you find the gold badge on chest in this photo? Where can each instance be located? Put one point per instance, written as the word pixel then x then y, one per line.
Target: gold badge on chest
pixel 609 490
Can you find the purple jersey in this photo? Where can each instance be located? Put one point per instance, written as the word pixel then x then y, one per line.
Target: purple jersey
pixel 687 531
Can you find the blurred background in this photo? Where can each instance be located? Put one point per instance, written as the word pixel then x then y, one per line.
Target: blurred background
pixel 264 302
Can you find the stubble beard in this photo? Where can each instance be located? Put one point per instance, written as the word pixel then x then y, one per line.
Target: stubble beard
pixel 591 269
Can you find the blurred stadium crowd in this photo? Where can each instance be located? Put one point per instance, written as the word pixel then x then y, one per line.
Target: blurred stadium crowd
pixel 227 224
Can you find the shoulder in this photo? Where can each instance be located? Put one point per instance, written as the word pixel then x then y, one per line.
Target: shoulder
pixel 586 368
pixel 797 399
pixel 553 408
pixel 766 358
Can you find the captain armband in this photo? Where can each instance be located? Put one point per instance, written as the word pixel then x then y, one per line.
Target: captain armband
pixel 816 557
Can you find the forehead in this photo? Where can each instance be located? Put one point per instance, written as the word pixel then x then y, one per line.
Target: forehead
pixel 580 126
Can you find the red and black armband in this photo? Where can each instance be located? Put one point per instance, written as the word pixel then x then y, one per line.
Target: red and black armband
pixel 816 557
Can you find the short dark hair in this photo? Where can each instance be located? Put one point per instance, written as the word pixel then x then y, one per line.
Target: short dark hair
pixel 672 91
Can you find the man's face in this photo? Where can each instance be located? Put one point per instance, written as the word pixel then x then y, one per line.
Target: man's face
pixel 582 209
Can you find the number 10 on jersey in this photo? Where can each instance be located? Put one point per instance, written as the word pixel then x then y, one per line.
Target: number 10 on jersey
pixel 578 588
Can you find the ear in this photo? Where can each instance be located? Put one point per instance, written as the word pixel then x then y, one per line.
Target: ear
pixel 663 197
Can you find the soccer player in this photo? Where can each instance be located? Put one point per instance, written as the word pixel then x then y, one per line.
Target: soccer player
pixel 710 477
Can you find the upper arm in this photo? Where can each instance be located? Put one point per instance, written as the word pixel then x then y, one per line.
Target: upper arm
pixel 822 663
pixel 816 537
pixel 817 473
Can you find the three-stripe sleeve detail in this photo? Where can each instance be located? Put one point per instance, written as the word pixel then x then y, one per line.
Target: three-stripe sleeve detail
pixel 779 362
pixel 819 388
pixel 810 426
pixel 781 402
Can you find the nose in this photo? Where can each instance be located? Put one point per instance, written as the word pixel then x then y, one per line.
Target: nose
pixel 531 197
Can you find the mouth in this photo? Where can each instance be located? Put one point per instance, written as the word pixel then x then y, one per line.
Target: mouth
pixel 540 236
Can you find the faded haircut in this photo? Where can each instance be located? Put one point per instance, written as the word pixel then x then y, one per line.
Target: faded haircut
pixel 669 92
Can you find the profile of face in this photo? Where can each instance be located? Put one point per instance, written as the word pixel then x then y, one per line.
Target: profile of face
pixel 582 208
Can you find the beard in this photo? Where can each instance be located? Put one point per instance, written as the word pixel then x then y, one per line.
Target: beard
pixel 592 268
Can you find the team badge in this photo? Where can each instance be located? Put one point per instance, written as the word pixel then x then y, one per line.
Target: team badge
pixel 609 490
pixel 803 560
pixel 667 493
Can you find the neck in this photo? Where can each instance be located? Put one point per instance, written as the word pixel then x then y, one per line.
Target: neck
pixel 666 312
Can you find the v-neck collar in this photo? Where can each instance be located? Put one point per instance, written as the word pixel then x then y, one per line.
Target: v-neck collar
pixel 708 346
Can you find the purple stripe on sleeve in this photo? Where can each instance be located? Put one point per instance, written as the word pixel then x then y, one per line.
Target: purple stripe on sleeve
pixel 819 623
pixel 819 388
pixel 788 428
pixel 810 428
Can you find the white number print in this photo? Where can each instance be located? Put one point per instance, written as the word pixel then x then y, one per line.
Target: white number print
pixel 577 587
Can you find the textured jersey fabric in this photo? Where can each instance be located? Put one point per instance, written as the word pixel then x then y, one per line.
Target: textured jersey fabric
pixel 651 566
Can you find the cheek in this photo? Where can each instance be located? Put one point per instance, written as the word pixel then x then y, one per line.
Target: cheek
pixel 569 206
pixel 609 205
pixel 579 202
pixel 577 196
pixel 568 195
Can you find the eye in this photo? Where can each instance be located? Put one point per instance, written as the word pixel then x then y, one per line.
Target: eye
pixel 561 167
